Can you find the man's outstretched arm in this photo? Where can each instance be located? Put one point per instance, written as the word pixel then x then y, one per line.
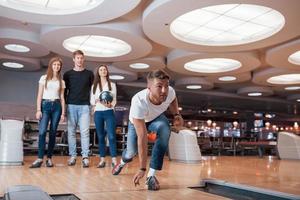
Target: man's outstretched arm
pixel 142 141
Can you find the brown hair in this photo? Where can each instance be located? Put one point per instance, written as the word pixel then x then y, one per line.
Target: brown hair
pixel 77 52
pixel 97 79
pixel 49 75
pixel 158 74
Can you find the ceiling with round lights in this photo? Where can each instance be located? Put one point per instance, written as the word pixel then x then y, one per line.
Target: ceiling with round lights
pixel 211 26
pixel 276 77
pixel 13 65
pixel 285 56
pixel 227 24
pixel 211 49
pixel 16 48
pixel 18 64
pixel 193 83
pixel 286 79
pixel 234 78
pixel 292 88
pixel 110 41
pixel 22 43
pixel 210 64
pixel 97 46
pixel 255 91
pixel 145 64
pixel 67 12
pixel 52 7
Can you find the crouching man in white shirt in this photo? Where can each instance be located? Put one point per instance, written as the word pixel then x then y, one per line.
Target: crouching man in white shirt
pixel 147 115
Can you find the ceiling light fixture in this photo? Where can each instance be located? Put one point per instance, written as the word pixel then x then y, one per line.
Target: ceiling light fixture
pixel 193 87
pixel 228 24
pixel 97 46
pixel 212 65
pixel 139 66
pixel 285 79
pixel 17 48
pixel 295 58
pixel 116 77
pixel 292 88
pixel 13 65
pixel 52 7
pixel 254 94
pixel 227 78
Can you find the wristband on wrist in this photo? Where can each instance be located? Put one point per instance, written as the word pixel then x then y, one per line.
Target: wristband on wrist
pixel 143 169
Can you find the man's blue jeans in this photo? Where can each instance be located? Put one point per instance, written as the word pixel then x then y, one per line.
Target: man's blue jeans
pixel 107 117
pixel 161 127
pixel 79 115
pixel 51 112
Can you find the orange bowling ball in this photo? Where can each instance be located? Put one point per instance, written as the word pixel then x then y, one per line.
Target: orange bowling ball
pixel 151 137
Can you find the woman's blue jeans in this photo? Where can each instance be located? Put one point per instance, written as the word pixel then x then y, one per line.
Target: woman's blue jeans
pixel 51 112
pixel 161 127
pixel 106 117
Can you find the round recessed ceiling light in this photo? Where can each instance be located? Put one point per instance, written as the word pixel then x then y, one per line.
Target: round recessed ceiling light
pixel 292 88
pixel 295 58
pixel 13 65
pixel 212 65
pixel 228 24
pixel 17 48
pixel 227 78
pixel 139 66
pixel 97 46
pixel 298 100
pixel 254 94
pixel 52 7
pixel 193 87
pixel 285 79
pixel 116 77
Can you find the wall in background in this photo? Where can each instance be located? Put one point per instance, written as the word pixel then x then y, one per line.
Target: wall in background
pixel 18 92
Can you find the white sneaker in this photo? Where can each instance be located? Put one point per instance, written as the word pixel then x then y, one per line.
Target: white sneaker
pixel 72 161
pixel 85 162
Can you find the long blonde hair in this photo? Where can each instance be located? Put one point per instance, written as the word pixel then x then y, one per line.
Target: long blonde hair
pixel 49 75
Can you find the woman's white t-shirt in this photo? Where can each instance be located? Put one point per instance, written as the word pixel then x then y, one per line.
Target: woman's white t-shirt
pixel 52 90
pixel 142 108
pixel 94 97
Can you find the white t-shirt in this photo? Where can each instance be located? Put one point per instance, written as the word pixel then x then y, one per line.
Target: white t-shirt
pixel 142 108
pixel 52 90
pixel 94 97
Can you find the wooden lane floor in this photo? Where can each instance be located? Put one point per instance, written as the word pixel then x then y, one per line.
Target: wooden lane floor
pixel 93 183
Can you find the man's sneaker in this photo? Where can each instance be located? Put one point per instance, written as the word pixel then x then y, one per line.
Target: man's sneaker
pixel 37 163
pixel 85 162
pixel 72 161
pixel 152 183
pixel 117 169
pixel 49 163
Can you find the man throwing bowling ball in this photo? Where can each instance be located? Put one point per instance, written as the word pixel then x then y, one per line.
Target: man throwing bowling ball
pixel 147 115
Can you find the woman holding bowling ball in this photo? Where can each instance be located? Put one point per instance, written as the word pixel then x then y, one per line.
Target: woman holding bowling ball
pixel 103 100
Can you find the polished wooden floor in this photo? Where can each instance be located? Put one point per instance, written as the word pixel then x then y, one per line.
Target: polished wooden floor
pixel 94 184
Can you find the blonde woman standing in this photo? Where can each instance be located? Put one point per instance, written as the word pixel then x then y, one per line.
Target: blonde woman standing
pixel 50 109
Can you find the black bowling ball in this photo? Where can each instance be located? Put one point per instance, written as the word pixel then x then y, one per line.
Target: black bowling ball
pixel 106 96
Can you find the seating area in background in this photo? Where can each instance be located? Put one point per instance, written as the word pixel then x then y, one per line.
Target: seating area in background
pixel 288 146
pixel 11 142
